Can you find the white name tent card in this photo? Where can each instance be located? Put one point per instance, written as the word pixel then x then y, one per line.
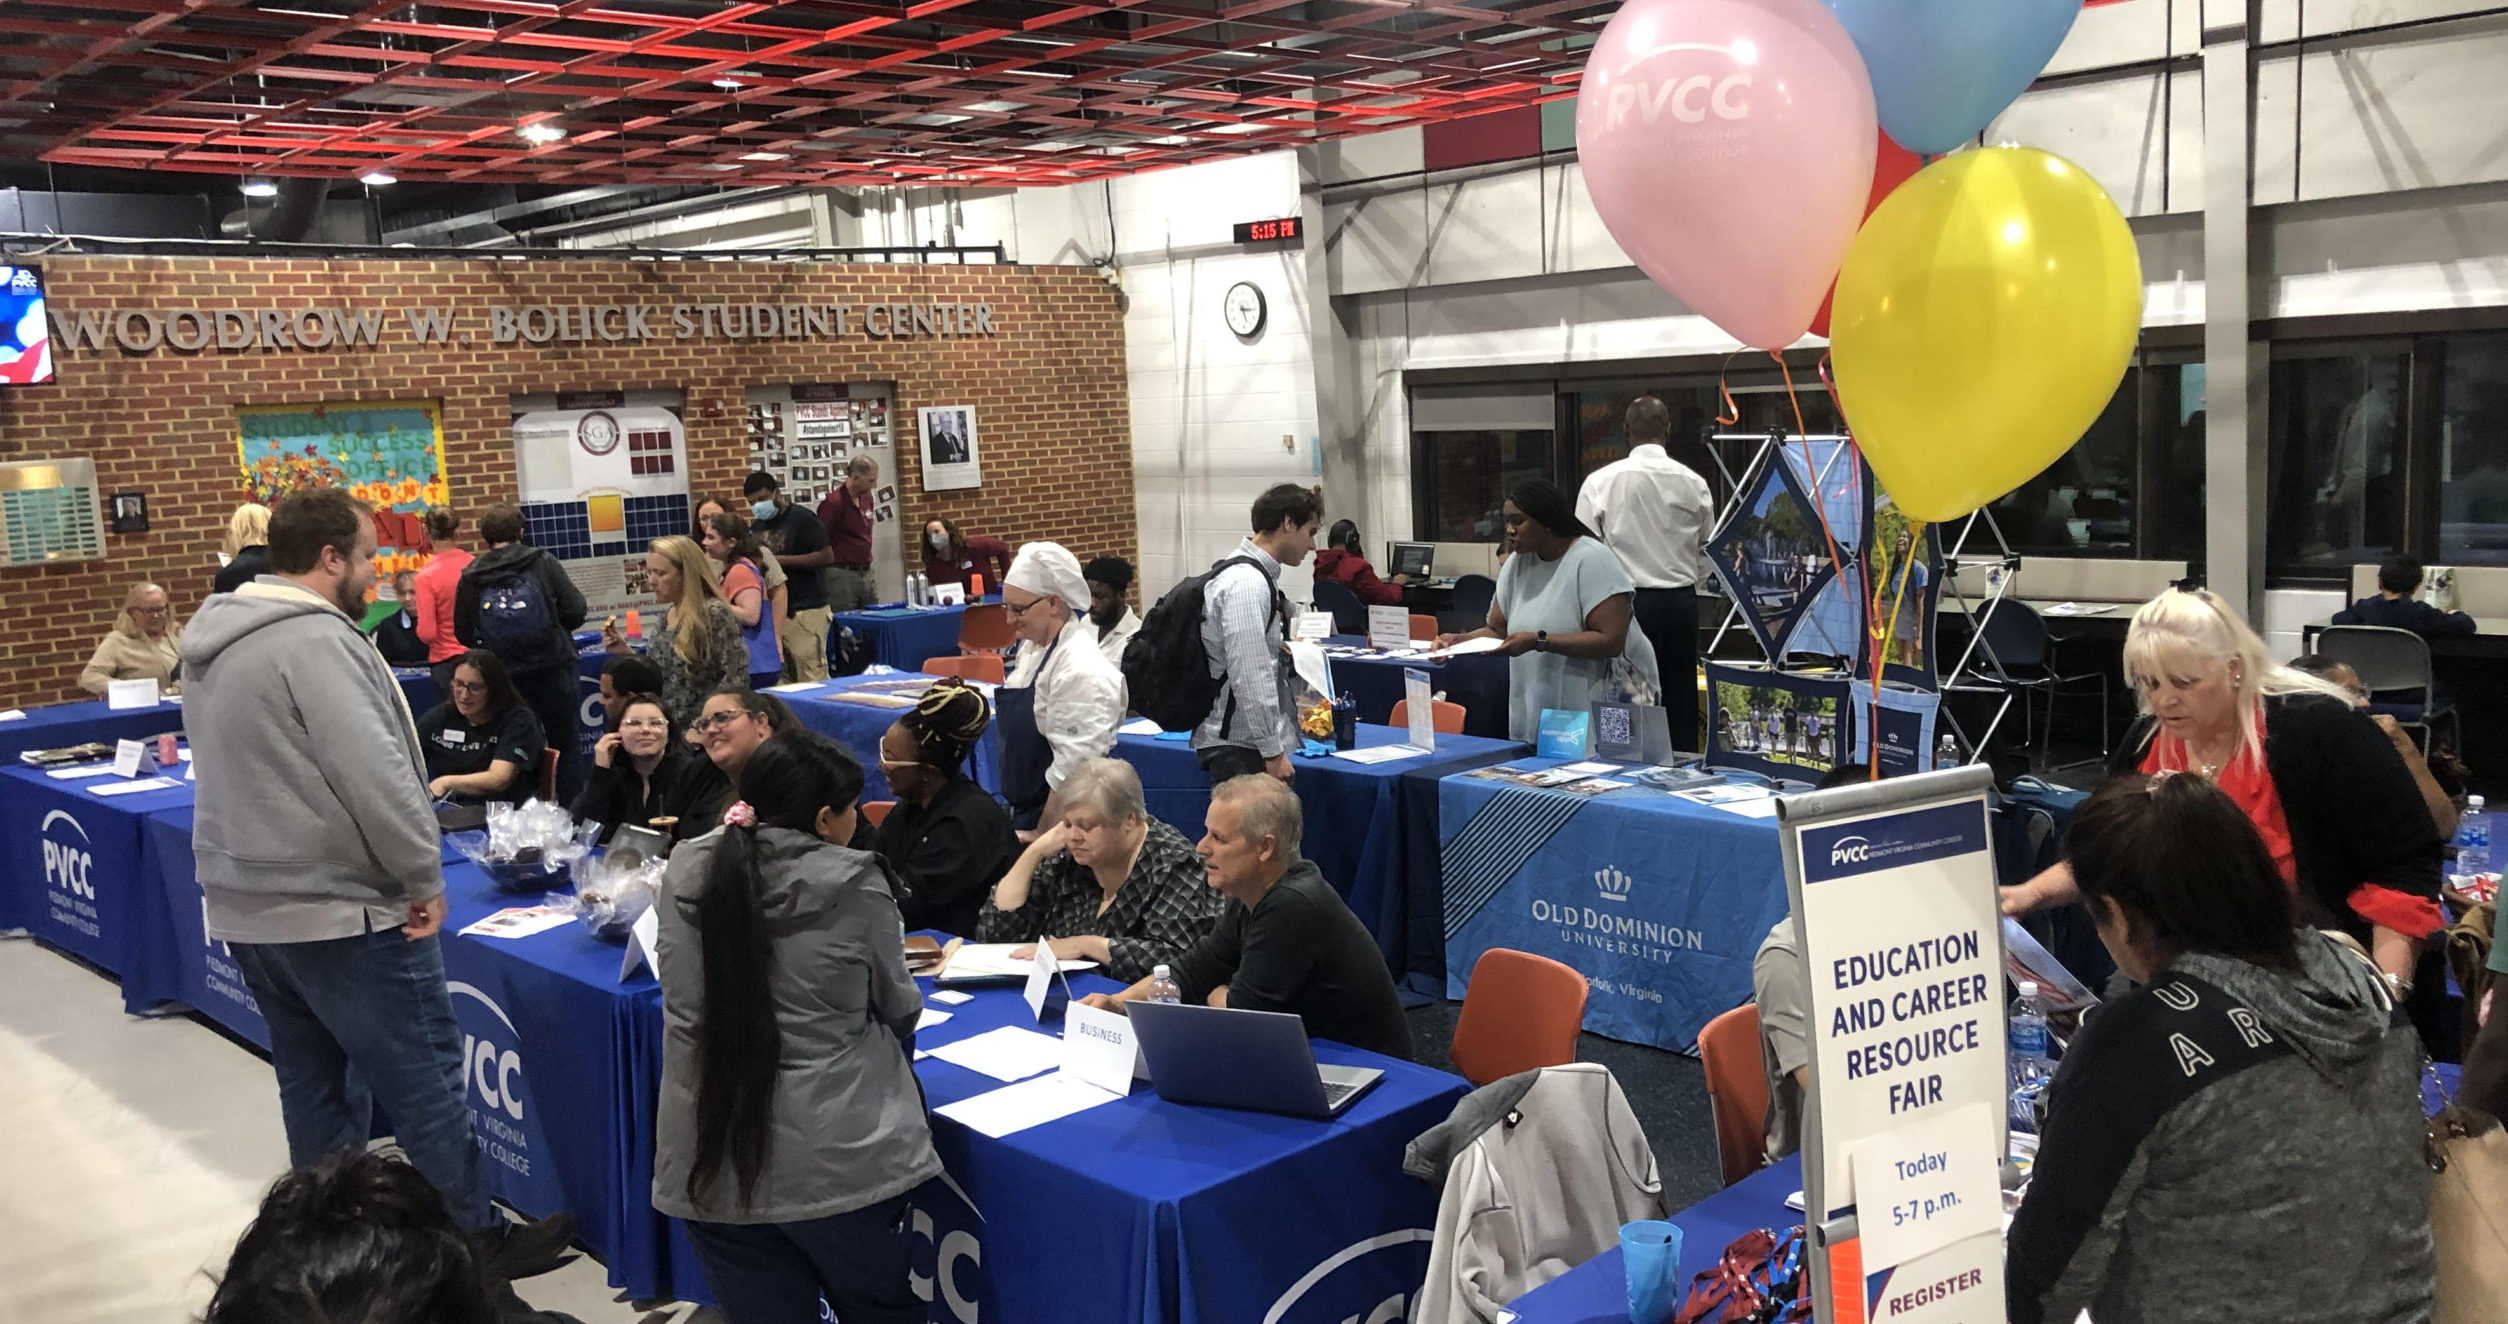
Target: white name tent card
pixel 131 694
pixel 1312 625
pixel 1097 1046
pixel 1389 628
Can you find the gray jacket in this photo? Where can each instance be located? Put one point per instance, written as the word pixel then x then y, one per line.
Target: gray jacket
pixel 312 816
pixel 847 1124
pixel 2233 1143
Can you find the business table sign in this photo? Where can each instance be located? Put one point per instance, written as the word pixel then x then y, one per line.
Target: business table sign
pixel 1896 916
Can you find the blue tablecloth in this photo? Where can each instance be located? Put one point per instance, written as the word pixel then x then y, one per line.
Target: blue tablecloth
pixel 859 726
pixel 1370 827
pixel 73 875
pixel 1660 902
pixel 1596 1292
pixel 903 637
pixel 77 723
pixel 1478 682
pixel 1143 1210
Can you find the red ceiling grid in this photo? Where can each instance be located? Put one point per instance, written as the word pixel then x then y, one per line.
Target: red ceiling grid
pixel 816 92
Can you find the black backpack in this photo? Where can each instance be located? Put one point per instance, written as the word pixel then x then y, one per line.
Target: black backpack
pixel 517 622
pixel 1166 666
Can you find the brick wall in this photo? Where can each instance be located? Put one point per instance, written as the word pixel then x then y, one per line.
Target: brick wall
pixel 1048 389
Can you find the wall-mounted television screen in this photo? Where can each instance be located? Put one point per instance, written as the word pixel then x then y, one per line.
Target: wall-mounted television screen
pixel 25 333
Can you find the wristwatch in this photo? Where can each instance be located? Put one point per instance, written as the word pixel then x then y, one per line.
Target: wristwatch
pixel 1541 641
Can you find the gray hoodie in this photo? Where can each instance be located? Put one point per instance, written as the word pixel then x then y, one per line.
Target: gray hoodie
pixel 312 818
pixel 2233 1143
pixel 846 1128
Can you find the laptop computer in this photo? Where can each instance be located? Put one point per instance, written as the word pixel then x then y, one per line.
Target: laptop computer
pixel 1229 1058
pixel 1410 558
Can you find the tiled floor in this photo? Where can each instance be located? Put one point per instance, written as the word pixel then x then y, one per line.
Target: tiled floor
pixel 133 1151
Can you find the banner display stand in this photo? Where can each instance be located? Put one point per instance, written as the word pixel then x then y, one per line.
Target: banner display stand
pixel 1895 913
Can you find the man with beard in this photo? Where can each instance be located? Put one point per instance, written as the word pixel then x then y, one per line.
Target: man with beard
pixel 318 853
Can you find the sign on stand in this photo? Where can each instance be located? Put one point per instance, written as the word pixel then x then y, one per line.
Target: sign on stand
pixel 1896 916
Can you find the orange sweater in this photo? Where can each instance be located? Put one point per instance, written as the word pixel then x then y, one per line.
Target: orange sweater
pixel 435 603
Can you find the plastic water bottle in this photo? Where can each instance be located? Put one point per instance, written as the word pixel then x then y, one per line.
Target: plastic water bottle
pixel 1163 987
pixel 1946 752
pixel 2473 838
pixel 914 590
pixel 2031 1067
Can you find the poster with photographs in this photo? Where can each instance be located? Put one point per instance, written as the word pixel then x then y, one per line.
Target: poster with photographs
pixel 1906 559
pixel 949 448
pixel 1785 724
pixel 1771 555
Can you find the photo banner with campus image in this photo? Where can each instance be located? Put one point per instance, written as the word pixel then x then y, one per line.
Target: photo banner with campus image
pixel 602 473
pixel 389 454
pixel 1772 556
pixel 1791 725
pixel 1905 558
pixel 1829 480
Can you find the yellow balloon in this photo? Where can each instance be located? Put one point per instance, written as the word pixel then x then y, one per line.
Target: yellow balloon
pixel 1984 316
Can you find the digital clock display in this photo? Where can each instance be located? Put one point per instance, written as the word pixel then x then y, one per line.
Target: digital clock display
pixel 1257 232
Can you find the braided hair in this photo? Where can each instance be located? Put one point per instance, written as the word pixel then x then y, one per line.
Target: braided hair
pixel 946 722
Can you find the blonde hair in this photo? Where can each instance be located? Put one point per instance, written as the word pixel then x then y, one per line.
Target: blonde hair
pixel 2184 633
pixel 249 526
pixel 697 586
pixel 128 624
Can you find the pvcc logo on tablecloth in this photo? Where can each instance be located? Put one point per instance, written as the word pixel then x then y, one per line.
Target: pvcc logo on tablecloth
pixel 1613 884
pixel 68 866
pixel 494 1074
pixel 1343 1289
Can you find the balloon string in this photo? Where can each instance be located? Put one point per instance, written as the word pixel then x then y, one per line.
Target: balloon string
pixel 1875 633
pixel 1732 412
pixel 1811 466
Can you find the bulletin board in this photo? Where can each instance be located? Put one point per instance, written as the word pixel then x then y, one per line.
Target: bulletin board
pixel 389 454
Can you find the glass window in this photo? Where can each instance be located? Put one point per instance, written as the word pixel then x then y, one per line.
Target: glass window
pixel 2334 470
pixel 1602 432
pixel 2473 452
pixel 2177 459
pixel 1463 478
pixel 2083 504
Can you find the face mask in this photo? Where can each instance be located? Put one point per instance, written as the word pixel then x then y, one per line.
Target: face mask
pixel 939 542
pixel 763 509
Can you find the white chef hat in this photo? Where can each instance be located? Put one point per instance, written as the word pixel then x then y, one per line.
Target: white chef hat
pixel 1046 569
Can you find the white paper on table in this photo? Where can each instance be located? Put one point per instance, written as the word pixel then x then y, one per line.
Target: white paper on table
pixel 1588 769
pixel 993 960
pixel 1015 1108
pixel 1763 807
pixel 1389 628
pixel 930 1018
pixel 1484 644
pixel 640 954
pixel 127 788
pixel 191 770
pixel 1379 753
pixel 1748 801
pixel 1139 726
pixel 1308 657
pixel 1312 625
pixel 12 714
pixel 141 693
pixel 797 687
pixel 950 997
pixel 82 770
pixel 1012 1052
pixel 519 922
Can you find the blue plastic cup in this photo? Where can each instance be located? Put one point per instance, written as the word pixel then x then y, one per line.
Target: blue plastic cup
pixel 1650 1253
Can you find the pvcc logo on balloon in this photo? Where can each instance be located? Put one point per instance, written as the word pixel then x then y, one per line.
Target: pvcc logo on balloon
pixel 1689 100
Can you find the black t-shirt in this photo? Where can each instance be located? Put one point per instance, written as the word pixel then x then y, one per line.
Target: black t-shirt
pixel 1301 951
pixel 797 532
pixel 455 748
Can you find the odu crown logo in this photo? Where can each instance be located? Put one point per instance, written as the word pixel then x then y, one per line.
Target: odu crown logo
pixel 1614 884
pixel 1850 850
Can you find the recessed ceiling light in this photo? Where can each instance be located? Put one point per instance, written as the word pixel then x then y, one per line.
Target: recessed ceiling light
pixel 728 84
pixel 377 178
pixel 765 156
pixel 540 133
pixel 260 188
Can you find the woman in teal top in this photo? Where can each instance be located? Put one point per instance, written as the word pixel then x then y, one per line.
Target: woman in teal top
pixel 1563 610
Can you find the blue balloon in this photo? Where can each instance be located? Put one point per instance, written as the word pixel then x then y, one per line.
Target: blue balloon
pixel 1942 69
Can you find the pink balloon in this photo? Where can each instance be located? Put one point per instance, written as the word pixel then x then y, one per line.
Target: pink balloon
pixel 1728 146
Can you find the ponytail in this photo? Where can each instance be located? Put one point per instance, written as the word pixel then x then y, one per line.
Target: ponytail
pixel 738 1041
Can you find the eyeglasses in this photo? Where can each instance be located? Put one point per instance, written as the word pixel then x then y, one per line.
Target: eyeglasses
pixel 470 687
pixel 644 724
pixel 712 722
pixel 151 611
pixel 1020 612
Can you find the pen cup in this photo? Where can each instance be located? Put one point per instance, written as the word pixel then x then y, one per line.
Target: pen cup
pixel 1650 1253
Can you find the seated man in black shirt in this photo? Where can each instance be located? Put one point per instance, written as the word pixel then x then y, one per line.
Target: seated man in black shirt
pixel 2396 606
pixel 485 743
pixel 1285 941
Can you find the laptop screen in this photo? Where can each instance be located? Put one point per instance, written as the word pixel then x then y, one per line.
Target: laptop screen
pixel 1412 558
